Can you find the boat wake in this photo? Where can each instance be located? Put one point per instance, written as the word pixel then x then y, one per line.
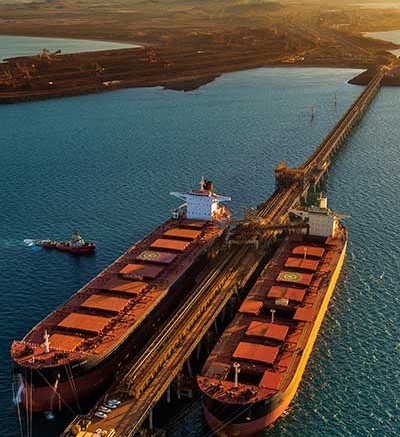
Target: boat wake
pixel 11 243
pixel 31 243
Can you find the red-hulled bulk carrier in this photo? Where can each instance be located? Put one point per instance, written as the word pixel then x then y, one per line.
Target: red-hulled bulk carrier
pixel 253 372
pixel 79 347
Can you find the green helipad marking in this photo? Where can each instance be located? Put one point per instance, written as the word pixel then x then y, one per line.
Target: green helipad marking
pixel 149 255
pixel 288 276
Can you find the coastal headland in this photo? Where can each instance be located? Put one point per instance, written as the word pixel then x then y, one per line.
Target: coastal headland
pixel 185 44
pixel 392 77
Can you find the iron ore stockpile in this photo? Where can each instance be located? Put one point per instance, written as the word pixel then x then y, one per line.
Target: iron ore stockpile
pixel 139 320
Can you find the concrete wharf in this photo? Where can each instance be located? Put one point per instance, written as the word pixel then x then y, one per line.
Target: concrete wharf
pixel 153 370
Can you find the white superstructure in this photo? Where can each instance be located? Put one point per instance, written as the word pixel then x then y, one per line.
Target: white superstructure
pixel 202 204
pixel 321 220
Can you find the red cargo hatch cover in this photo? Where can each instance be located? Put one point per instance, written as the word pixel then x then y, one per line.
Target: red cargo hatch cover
pixel 188 234
pixel 156 257
pixel 317 252
pixel 277 332
pixel 295 294
pixel 300 263
pixel 258 329
pixel 108 303
pixel 304 314
pixel 295 277
pixel 251 306
pixel 141 270
pixel 163 243
pixel 256 352
pixel 124 286
pixel 64 342
pixel 267 330
pixel 84 322
pixel 271 380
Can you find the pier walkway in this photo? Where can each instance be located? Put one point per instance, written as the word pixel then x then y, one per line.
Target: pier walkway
pixel 154 368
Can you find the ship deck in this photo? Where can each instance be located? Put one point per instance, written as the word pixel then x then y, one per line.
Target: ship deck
pixel 113 304
pixel 268 347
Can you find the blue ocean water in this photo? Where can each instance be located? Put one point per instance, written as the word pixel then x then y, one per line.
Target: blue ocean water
pixel 390 35
pixel 105 163
pixel 26 45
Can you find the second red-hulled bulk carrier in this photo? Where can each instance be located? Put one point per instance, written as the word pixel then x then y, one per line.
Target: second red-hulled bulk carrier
pixel 253 373
pixel 79 347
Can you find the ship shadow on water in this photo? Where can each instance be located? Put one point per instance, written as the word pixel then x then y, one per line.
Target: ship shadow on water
pixel 52 425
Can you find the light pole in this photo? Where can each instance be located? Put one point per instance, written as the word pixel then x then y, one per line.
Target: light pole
pixel 272 311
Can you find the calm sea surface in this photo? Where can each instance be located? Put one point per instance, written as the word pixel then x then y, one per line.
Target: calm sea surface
pixel 106 163
pixel 390 35
pixel 25 45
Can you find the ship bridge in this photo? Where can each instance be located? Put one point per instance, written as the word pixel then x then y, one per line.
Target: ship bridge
pixel 201 204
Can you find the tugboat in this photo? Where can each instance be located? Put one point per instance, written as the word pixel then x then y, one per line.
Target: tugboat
pixel 76 245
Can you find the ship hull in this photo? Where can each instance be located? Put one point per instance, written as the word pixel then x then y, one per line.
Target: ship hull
pixel 248 429
pixel 71 249
pixel 250 419
pixel 53 397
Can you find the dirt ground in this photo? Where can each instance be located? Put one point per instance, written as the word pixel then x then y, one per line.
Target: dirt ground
pixel 185 43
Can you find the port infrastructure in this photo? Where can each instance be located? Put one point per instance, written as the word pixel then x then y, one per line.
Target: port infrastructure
pixel 150 375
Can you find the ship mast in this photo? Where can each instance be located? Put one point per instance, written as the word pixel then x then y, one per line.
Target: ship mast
pixel 46 337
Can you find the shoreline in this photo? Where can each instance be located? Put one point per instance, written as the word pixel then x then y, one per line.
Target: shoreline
pixel 184 84
pixel 379 36
pixel 76 38
pixel 179 68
